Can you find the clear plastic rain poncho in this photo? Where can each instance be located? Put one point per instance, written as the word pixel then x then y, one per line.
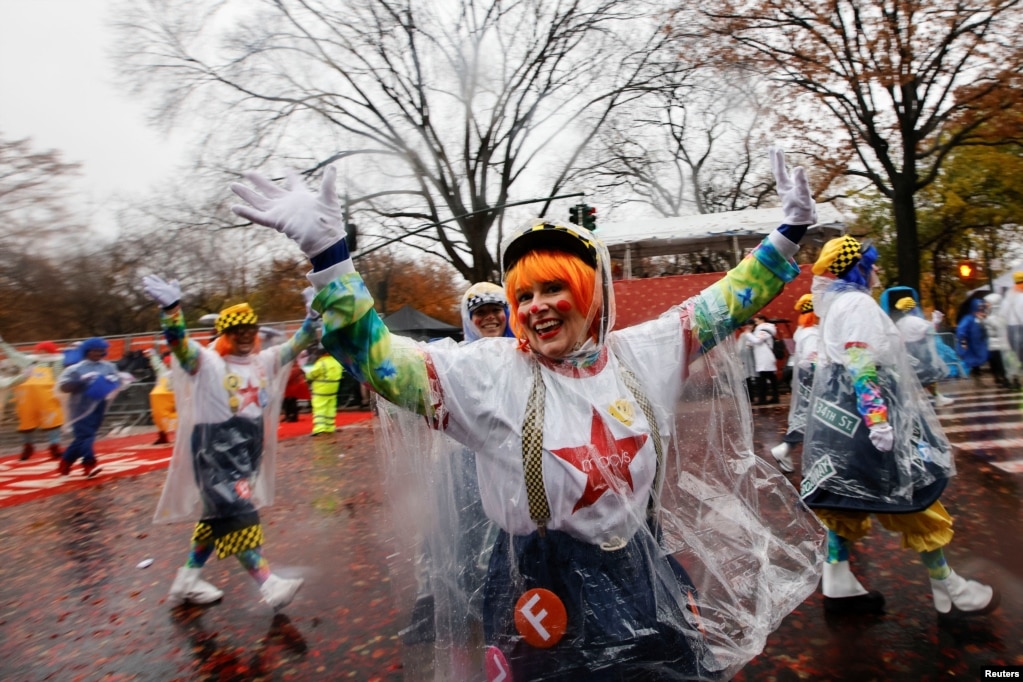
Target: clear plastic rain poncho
pixel 803 370
pixel 621 480
pixel 997 329
pixel 228 408
pixel 90 385
pixel 1012 309
pixel 917 333
pixel 33 379
pixel 863 367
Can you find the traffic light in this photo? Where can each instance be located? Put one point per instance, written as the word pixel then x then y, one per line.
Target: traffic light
pixel 967 270
pixel 351 237
pixel 589 217
pixel 573 215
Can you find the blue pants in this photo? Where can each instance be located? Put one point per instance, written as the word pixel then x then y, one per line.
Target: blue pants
pixel 85 430
pixel 628 610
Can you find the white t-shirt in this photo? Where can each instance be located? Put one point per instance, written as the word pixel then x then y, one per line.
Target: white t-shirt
pixel 484 409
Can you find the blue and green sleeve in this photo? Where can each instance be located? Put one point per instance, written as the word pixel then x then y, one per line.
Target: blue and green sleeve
pixel 724 306
pixel 185 349
pixel 391 365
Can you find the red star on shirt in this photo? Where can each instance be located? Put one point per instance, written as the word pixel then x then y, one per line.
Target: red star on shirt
pixel 604 453
pixel 249 394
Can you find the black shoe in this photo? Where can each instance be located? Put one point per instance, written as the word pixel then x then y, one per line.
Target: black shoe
pixel 421 628
pixel 957 615
pixel 872 602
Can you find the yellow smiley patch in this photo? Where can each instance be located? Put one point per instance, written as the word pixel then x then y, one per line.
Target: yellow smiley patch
pixel 622 410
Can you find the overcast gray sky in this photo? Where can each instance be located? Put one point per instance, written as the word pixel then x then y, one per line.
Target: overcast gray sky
pixel 57 87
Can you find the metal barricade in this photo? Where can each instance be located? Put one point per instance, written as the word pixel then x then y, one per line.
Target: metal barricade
pixel 129 408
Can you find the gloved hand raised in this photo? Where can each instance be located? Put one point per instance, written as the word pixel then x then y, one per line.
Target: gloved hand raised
pixel 798 206
pixel 164 293
pixel 882 436
pixel 312 220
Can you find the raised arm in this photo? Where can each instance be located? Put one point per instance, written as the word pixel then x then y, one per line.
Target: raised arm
pixel 21 360
pixel 168 296
pixel 352 331
pixel 722 307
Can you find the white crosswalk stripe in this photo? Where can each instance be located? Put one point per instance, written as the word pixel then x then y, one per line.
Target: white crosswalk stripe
pixel 1003 411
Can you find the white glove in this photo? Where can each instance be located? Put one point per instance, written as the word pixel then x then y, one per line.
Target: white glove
pixel 798 207
pixel 88 377
pixel 312 220
pixel 936 317
pixel 882 436
pixel 308 294
pixel 164 293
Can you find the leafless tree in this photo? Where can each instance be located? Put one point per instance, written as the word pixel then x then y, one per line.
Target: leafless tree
pixel 891 87
pixel 692 146
pixel 434 111
pixel 35 198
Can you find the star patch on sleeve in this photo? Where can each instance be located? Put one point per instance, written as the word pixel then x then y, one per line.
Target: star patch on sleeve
pixel 604 459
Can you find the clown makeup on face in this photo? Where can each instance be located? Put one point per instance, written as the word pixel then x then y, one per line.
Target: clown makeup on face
pixel 550 318
pixel 489 319
pixel 243 338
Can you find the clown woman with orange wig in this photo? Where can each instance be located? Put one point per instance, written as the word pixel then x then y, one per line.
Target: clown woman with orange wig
pixel 610 460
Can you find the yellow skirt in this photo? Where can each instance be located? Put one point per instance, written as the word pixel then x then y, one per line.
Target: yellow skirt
pixel 922 531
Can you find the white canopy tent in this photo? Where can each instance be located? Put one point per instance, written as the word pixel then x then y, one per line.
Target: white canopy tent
pixel 733 231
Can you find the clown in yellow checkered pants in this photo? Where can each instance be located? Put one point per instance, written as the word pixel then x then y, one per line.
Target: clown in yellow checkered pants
pixel 222 470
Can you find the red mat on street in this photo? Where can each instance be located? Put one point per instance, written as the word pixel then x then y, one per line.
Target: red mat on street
pixel 117 456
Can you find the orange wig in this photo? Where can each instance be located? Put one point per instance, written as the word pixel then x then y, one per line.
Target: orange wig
pixel 808 319
pixel 224 345
pixel 551 266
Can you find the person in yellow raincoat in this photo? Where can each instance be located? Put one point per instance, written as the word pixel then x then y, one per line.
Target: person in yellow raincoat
pixel 36 402
pixel 324 378
pixel 161 400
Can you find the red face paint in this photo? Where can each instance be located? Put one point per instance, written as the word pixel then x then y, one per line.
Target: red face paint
pixel 523 316
pixel 563 306
pixel 534 309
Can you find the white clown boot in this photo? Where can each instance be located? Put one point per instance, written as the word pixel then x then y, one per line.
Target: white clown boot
pixel 843 593
pixel 781 453
pixel 957 596
pixel 188 588
pixel 278 592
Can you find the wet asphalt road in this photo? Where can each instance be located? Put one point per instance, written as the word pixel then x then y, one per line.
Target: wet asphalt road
pixel 74 604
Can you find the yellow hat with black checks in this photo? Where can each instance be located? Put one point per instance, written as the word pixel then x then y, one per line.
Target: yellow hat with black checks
pixel 905 303
pixel 805 303
pixel 838 256
pixel 553 236
pixel 235 316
